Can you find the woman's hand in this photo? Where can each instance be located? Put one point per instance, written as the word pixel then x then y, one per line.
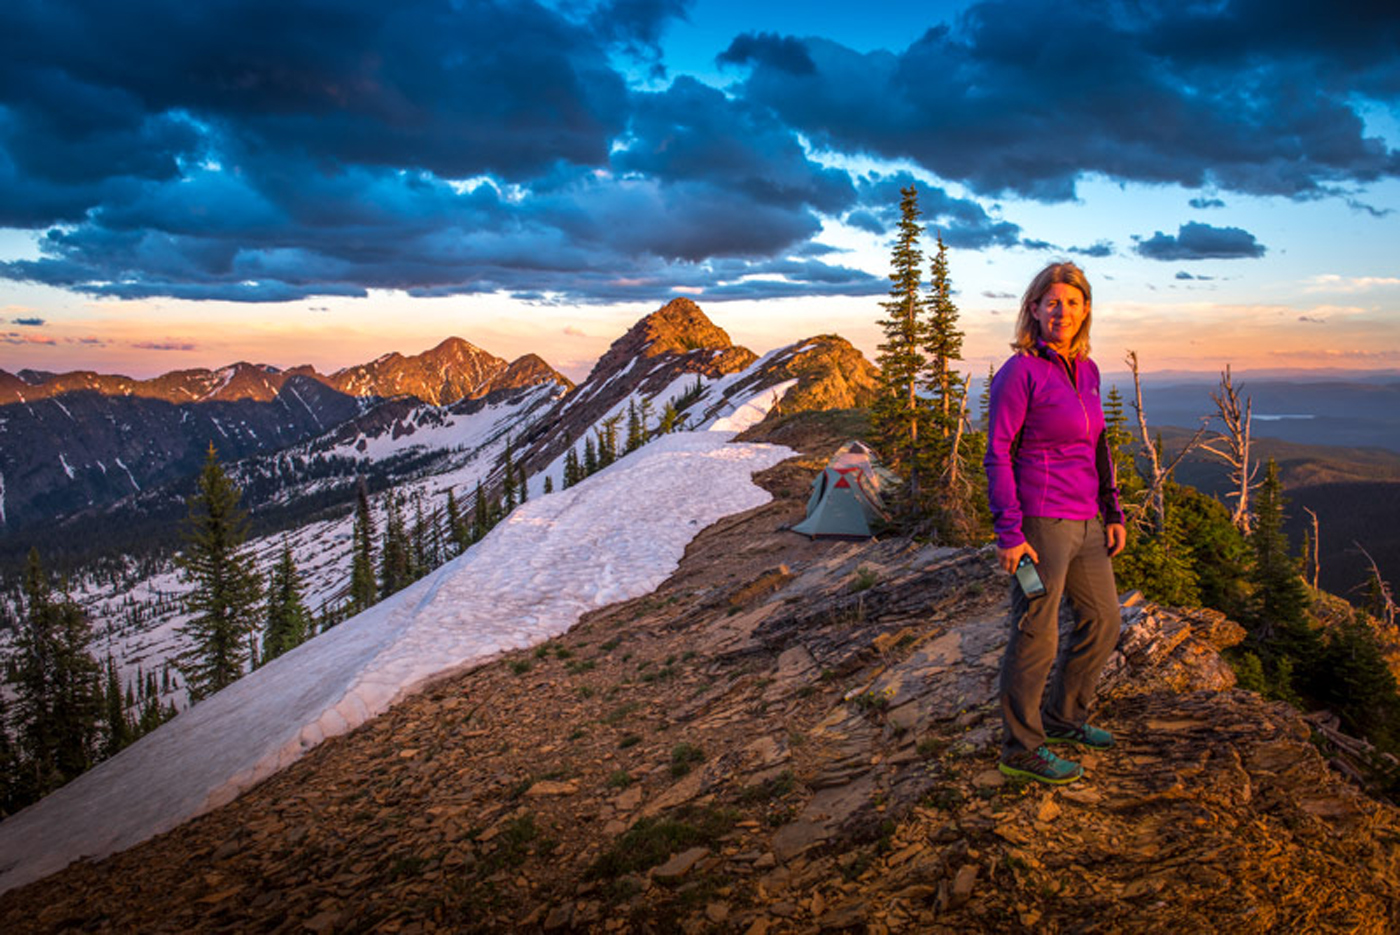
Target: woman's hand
pixel 1116 536
pixel 1009 558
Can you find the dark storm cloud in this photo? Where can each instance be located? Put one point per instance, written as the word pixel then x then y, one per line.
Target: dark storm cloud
pixel 694 133
pixel 258 151
pixel 267 152
pixel 1203 203
pixel 31 322
pixel 779 52
pixel 1025 97
pixel 961 222
pixel 1196 241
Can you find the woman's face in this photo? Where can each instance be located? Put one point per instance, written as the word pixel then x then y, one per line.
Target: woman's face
pixel 1060 312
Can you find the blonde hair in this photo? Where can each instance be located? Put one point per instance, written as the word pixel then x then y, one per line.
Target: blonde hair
pixel 1028 329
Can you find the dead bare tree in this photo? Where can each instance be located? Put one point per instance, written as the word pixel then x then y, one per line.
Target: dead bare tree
pixel 1387 596
pixel 1233 447
pixel 1154 498
pixel 1315 559
pixel 952 468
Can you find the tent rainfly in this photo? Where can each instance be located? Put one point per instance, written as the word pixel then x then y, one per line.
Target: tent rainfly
pixel 846 495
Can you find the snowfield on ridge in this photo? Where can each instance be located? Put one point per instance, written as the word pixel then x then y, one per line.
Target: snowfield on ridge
pixel 614 536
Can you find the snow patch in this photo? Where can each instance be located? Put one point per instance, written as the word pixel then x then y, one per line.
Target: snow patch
pixel 614 536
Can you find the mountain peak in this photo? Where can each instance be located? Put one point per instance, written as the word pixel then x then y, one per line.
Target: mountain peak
pixel 678 326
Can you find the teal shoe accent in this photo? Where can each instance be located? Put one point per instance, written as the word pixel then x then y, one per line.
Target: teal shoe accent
pixel 1042 766
pixel 1086 736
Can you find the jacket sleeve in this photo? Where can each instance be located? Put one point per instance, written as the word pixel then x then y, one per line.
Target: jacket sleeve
pixel 1108 483
pixel 1008 400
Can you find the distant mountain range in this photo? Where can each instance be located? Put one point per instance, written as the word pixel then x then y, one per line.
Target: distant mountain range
pixel 455 369
pixel 74 441
pixel 94 465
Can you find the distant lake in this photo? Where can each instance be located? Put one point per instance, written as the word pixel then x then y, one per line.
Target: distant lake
pixel 1280 417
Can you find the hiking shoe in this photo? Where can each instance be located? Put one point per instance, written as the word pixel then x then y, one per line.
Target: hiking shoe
pixel 1043 766
pixel 1086 736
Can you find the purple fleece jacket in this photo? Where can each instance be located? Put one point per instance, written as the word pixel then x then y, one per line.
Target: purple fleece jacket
pixel 1046 451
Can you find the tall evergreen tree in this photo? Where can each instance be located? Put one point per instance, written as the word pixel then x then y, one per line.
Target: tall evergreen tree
pixel 12 797
pixel 590 457
pixel 225 592
pixel 897 412
pixel 607 441
pixel 942 345
pixel 420 541
pixel 481 513
pixel 288 622
pixel 118 724
pixel 364 591
pixel 1281 598
pixel 456 528
pixel 573 471
pixel 508 483
pixel 634 428
pixel 548 484
pixel 395 557
pixel 524 483
pixel 55 683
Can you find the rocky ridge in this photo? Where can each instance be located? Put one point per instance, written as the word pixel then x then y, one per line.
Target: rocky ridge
pixel 787 736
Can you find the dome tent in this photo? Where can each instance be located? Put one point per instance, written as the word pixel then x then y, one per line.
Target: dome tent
pixel 846 495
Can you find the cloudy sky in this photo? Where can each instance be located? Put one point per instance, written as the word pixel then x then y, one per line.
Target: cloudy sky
pixel 323 181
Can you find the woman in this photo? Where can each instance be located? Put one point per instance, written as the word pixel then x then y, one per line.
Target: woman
pixel 1052 491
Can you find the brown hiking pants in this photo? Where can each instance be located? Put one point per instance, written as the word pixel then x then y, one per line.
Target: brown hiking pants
pixel 1074 563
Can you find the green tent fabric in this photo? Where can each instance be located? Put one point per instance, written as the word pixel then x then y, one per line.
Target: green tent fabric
pixel 846 495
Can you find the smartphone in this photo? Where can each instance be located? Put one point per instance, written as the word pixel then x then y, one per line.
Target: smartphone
pixel 1029 578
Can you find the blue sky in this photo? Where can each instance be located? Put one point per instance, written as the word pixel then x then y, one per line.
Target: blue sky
pixel 320 182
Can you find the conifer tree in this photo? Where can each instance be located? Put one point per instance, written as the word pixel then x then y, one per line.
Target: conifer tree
pixel 573 471
pixel 55 680
pixel 590 457
pixel 225 593
pixel 897 412
pixel 942 345
pixel 395 558
pixel 1280 595
pixel 607 441
pixel 481 514
pixel 118 724
pixel 364 591
pixel 11 782
pixel 548 484
pixel 288 622
pixel 670 419
pixel 1357 684
pixel 456 529
pixel 420 542
pixel 634 428
pixel 524 486
pixel 508 484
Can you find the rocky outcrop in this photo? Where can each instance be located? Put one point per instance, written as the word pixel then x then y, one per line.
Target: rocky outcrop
pixel 787 736
pixel 655 359
pixel 830 373
pixel 679 329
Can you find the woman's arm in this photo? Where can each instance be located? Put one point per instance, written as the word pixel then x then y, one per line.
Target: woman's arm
pixel 1008 402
